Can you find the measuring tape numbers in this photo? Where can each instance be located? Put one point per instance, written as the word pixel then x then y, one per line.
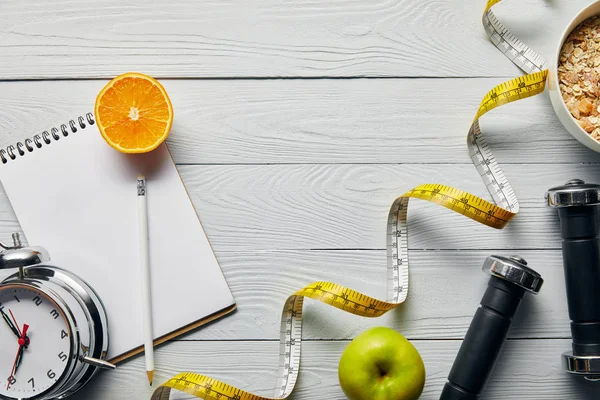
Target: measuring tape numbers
pixel 519 53
pixel 496 215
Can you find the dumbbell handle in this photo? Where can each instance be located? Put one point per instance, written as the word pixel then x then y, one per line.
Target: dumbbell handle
pixel 581 257
pixel 484 340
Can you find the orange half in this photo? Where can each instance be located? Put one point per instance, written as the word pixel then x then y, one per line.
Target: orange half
pixel 134 113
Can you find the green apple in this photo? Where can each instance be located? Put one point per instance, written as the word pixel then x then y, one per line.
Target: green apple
pixel 381 364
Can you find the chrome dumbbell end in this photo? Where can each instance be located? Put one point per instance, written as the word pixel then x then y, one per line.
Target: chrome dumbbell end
pixel 514 269
pixel 572 194
pixel 585 366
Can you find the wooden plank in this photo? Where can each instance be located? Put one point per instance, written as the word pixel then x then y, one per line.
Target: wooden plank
pixel 346 206
pixel 271 207
pixel 274 38
pixel 445 290
pixel 527 370
pixel 317 121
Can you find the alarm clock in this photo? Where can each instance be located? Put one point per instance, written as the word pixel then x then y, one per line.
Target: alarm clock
pixel 53 328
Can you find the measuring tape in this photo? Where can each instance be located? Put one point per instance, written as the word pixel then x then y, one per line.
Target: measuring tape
pixel 495 215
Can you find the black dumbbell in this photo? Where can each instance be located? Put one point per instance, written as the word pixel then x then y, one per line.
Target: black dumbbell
pixel 578 208
pixel 510 280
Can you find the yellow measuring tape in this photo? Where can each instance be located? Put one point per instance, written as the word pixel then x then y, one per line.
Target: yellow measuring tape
pixel 495 215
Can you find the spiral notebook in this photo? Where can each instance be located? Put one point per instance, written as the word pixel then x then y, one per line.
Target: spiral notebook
pixel 76 196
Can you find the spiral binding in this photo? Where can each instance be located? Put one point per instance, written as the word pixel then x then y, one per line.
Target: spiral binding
pixel 45 137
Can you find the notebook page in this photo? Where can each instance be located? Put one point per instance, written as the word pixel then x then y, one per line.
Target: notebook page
pixel 77 197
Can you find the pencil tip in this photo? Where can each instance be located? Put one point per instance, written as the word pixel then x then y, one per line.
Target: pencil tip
pixel 150 376
pixel 141 177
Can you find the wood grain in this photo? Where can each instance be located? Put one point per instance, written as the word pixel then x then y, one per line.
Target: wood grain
pixel 346 206
pixel 527 370
pixel 275 207
pixel 274 38
pixel 317 121
pixel 445 290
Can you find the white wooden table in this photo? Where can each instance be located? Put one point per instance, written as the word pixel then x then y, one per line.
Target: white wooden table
pixel 292 163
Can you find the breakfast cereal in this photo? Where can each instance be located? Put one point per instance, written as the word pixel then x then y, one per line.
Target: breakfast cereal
pixel 579 75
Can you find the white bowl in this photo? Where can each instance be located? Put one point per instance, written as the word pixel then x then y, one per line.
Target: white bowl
pixel 558 103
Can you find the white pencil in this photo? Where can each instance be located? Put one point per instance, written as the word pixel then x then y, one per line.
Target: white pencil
pixel 145 270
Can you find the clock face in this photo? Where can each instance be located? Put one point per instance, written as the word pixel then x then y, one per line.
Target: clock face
pixel 35 342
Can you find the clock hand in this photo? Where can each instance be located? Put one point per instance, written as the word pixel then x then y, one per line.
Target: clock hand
pixel 18 360
pixel 15 321
pixel 17 326
pixel 22 341
pixel 10 324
